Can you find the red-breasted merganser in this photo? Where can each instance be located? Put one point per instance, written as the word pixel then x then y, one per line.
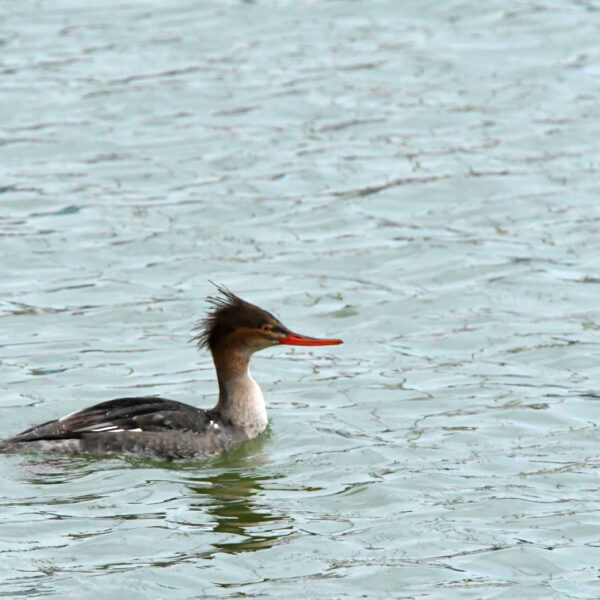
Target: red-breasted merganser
pixel 233 330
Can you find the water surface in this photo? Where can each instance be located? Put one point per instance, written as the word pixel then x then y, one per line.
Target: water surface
pixel 420 179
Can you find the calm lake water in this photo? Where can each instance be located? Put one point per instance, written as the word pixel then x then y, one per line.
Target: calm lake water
pixel 418 178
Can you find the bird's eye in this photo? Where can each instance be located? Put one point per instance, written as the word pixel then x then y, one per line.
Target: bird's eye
pixel 266 327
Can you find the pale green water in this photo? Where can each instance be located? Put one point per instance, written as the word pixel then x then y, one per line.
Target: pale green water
pixel 420 179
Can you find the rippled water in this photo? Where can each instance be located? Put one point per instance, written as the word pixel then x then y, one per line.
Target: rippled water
pixel 420 179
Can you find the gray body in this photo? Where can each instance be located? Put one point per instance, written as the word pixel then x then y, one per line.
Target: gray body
pixel 165 445
pixel 153 427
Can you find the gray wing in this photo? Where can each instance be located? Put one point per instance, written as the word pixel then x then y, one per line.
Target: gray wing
pixel 122 414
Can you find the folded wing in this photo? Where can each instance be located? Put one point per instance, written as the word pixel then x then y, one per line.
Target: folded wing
pixel 123 414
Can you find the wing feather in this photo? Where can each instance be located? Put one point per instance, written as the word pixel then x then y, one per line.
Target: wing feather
pixel 123 414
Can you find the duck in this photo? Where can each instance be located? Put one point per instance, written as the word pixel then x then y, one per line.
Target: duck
pixel 155 427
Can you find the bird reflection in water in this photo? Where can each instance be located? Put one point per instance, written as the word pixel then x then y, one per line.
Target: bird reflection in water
pixel 232 501
pixel 229 495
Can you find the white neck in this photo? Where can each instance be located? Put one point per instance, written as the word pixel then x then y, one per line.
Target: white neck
pixel 240 399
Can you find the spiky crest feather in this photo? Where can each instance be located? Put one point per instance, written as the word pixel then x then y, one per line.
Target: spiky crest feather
pixel 229 312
